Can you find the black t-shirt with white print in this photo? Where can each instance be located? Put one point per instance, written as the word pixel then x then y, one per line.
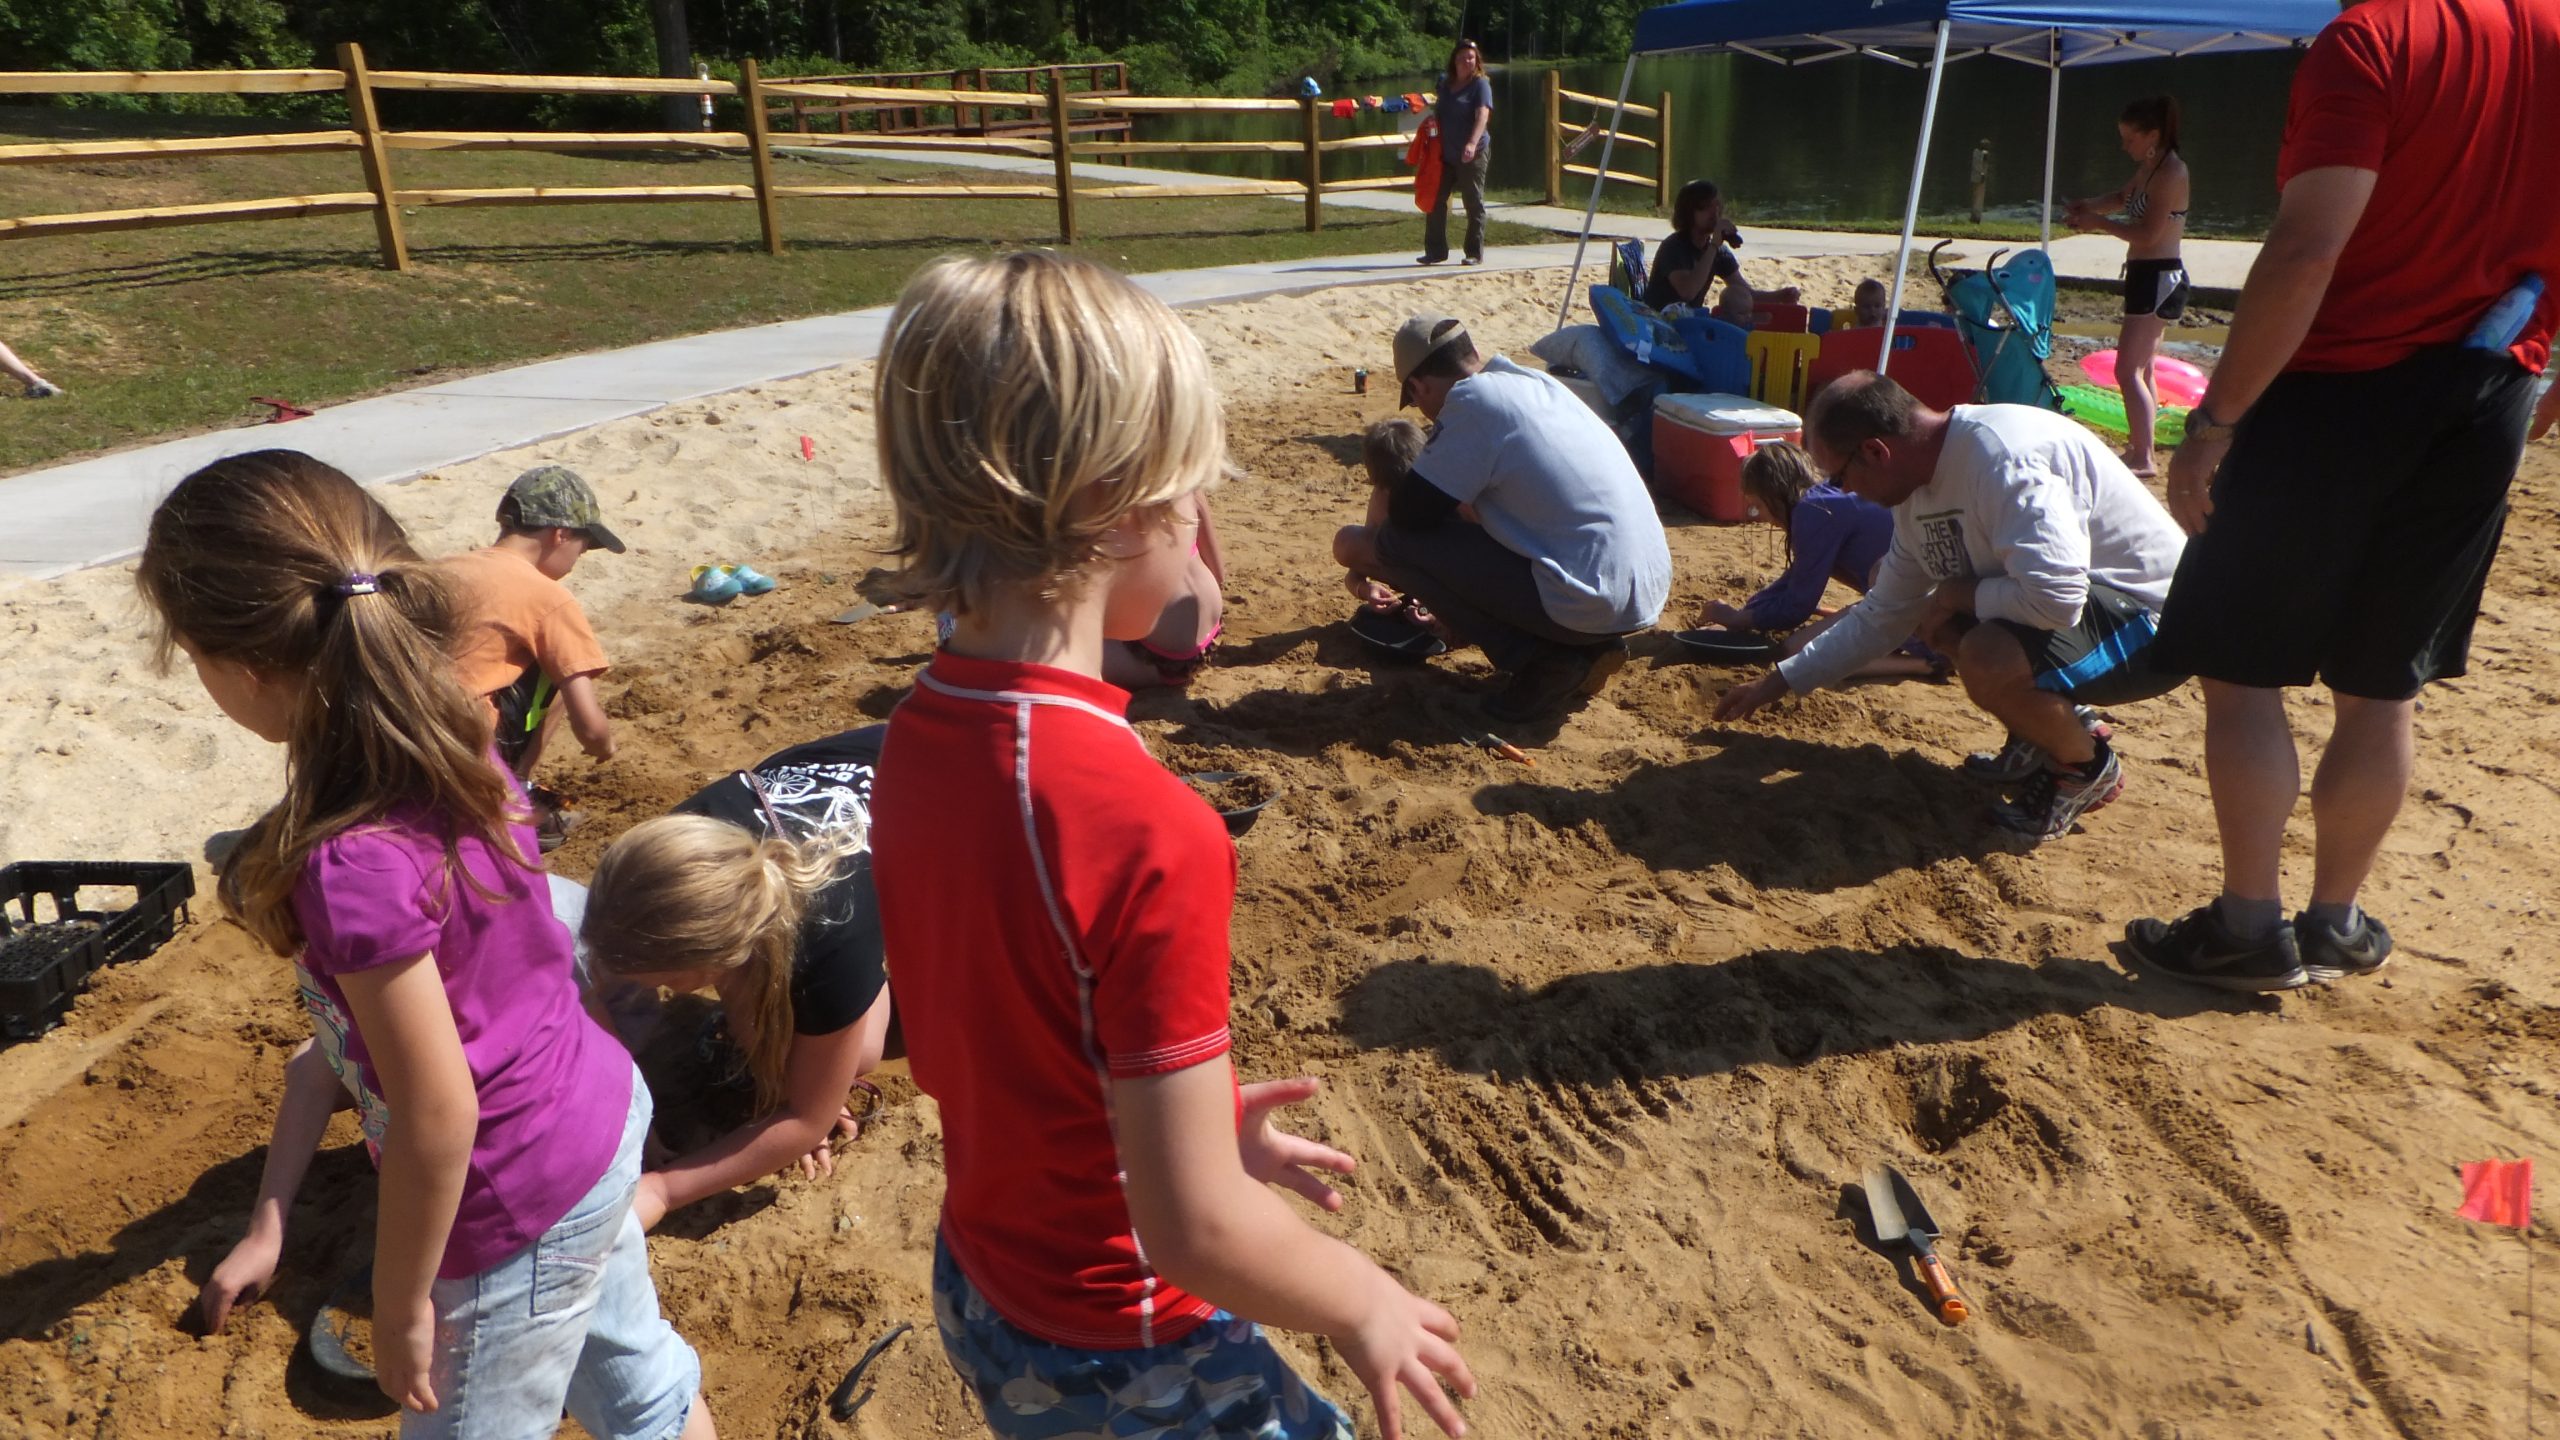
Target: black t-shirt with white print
pixel 820 788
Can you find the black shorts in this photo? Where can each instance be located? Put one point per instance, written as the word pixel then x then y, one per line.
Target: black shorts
pixel 2155 287
pixel 2106 659
pixel 2353 524
pixel 522 707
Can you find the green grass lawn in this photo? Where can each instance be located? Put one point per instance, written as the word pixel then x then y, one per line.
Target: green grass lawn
pixel 160 332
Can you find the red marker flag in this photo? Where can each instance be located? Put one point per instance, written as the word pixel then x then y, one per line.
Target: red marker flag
pixel 2498 1192
pixel 808 448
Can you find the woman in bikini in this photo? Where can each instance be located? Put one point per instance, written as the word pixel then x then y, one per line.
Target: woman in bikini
pixel 2150 215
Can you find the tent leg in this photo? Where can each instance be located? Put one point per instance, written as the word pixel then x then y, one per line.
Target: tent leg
pixel 1911 205
pixel 1590 212
pixel 2052 127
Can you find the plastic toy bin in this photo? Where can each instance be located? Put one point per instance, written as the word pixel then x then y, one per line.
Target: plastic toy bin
pixel 1700 442
pixel 45 963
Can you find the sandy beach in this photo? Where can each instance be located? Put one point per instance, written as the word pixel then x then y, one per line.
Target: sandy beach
pixel 1612 1035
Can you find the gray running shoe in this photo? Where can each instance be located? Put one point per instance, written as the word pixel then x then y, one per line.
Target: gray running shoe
pixel 2020 758
pixel 2328 955
pixel 2055 799
pixel 2196 947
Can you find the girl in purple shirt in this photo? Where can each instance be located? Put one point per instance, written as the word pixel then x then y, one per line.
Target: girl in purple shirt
pixel 509 1277
pixel 1831 535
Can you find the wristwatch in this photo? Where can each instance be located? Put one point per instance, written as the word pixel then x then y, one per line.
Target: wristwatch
pixel 2203 427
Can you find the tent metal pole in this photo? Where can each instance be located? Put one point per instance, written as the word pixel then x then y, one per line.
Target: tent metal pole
pixel 2052 127
pixel 1911 205
pixel 1617 117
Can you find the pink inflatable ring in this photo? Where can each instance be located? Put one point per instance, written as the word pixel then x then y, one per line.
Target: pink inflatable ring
pixel 2176 381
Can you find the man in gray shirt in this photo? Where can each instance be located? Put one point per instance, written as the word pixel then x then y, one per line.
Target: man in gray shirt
pixel 1523 526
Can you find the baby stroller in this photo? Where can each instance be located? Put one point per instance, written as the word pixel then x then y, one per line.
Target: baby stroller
pixel 2005 313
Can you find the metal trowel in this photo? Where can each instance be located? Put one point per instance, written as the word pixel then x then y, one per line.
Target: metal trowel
pixel 1901 1217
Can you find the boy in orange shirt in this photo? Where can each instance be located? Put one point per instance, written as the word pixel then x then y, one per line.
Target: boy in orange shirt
pixel 528 641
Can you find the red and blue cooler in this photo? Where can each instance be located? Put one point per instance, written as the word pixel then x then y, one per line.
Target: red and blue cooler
pixel 1700 442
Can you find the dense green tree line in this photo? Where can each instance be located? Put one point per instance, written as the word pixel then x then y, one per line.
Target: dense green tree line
pixel 1174 46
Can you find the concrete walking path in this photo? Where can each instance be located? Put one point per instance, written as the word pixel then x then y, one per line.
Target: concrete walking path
pixel 2213 264
pixel 94 511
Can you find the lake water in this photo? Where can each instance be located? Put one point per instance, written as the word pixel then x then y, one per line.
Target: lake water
pixel 1834 141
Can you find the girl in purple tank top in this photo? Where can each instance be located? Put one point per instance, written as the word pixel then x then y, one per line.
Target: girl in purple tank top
pixel 399 870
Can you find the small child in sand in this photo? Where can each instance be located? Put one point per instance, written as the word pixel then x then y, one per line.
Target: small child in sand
pixel 509 1278
pixel 1831 535
pixel 1109 1235
pixel 1388 450
pixel 758 887
pixel 528 641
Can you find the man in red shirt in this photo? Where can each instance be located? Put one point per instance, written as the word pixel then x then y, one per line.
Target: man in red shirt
pixel 2345 477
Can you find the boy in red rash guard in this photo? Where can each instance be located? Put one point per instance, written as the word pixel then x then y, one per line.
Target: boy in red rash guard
pixel 1059 902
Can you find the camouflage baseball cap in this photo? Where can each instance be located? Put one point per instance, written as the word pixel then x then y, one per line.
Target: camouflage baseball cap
pixel 549 495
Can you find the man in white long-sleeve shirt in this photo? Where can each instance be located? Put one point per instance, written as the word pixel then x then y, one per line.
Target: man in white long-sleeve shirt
pixel 2022 546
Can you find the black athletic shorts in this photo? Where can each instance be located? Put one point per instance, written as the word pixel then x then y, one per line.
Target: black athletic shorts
pixel 2106 659
pixel 2155 287
pixel 2353 524
pixel 521 707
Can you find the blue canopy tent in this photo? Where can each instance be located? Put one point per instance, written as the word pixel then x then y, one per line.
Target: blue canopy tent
pixel 1926 34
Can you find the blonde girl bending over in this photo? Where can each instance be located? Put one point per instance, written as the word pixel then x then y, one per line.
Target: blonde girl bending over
pixel 759 888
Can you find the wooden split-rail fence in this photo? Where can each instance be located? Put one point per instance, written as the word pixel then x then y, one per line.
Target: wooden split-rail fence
pixel 1048 131
pixel 1580 131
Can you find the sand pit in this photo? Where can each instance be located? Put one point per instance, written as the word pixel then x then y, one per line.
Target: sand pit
pixel 1610 1035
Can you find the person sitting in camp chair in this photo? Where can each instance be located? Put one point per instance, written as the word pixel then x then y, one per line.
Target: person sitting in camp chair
pixel 1698 252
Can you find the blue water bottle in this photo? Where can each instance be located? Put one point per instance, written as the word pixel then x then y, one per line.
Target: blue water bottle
pixel 2505 319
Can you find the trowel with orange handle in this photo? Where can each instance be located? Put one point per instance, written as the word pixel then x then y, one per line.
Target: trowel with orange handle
pixel 1900 1216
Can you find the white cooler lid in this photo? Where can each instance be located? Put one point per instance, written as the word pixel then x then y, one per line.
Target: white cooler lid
pixel 1726 414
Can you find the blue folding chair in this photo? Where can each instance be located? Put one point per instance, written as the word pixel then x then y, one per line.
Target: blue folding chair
pixel 1697 346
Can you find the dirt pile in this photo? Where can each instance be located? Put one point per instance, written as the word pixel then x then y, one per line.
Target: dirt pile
pixel 1612 1034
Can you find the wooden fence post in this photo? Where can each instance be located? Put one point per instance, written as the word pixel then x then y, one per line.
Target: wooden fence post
pixel 1315 164
pixel 1662 155
pixel 1555 136
pixel 1062 147
pixel 760 153
pixel 362 119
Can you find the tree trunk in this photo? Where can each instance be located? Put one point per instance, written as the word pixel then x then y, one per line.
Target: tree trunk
pixel 675 60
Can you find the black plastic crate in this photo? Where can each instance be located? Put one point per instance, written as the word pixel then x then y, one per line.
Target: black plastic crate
pixel 43 965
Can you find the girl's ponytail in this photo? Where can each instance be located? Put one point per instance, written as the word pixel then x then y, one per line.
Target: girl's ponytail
pixel 278 562
pixel 785 888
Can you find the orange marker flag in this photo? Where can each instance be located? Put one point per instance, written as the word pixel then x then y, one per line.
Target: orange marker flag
pixel 808 448
pixel 2498 1192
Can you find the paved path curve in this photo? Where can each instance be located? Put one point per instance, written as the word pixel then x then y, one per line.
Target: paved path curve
pixel 94 511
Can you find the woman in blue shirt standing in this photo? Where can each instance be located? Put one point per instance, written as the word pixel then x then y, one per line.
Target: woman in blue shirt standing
pixel 1464 110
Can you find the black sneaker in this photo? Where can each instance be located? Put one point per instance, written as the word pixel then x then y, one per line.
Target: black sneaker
pixel 2197 947
pixel 2019 758
pixel 2056 797
pixel 2328 955
pixel 1555 677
